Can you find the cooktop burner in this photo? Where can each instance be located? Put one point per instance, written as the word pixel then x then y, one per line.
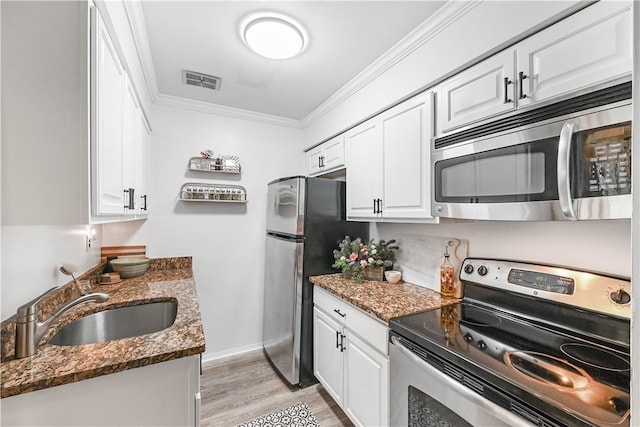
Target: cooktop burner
pixel 596 357
pixel 532 348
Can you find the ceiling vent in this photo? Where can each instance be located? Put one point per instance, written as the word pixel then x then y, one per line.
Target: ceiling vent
pixel 201 80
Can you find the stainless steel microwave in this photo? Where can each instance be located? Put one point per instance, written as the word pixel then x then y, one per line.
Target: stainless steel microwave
pixel 574 166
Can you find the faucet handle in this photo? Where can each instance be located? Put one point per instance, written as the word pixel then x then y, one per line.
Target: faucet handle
pixel 29 311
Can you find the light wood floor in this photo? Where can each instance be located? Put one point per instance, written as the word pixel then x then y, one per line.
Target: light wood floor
pixel 241 388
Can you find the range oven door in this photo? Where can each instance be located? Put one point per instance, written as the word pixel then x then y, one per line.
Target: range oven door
pixel 422 396
pixel 574 167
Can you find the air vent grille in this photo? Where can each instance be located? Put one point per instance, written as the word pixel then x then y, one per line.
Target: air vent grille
pixel 201 80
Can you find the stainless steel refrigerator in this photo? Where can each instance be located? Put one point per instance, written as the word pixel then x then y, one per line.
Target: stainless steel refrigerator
pixel 305 223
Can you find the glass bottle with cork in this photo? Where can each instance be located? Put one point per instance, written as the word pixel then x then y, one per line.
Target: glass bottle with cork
pixel 448 286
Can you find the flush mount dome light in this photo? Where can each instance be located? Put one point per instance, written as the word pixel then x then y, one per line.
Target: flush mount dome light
pixel 273 35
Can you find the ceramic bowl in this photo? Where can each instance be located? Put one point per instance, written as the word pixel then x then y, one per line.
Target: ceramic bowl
pixel 392 276
pixel 130 267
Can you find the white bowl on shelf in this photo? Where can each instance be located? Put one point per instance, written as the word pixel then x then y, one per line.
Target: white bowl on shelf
pixel 393 276
pixel 130 266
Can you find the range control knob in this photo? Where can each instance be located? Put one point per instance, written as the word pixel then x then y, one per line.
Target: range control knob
pixel 468 268
pixel 468 337
pixel 482 345
pixel 482 270
pixel 620 297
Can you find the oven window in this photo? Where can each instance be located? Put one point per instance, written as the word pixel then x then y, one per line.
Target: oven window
pixel 521 173
pixel 424 411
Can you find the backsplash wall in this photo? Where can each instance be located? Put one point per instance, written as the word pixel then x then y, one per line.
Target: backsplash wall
pixel 603 246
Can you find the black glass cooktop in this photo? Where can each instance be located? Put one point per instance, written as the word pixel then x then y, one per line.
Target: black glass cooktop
pixel 582 379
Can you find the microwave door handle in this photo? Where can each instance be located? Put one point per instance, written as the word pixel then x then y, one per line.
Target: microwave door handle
pixel 564 179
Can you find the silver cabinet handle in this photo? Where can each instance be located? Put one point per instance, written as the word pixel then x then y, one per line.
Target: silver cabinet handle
pixel 564 180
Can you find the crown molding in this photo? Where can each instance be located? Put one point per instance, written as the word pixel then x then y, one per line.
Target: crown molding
pixel 221 110
pixel 440 20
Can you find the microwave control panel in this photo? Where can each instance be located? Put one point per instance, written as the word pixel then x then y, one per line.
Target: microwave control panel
pixel 607 160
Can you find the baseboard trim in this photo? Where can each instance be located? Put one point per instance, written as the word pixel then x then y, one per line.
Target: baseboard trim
pixel 209 359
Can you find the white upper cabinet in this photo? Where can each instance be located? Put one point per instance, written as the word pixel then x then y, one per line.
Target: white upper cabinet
pixel 132 140
pixel 586 49
pixel 388 164
pixel 327 157
pixel 406 134
pixel 144 169
pixel 119 134
pixel 108 84
pixel 363 156
pixel 480 92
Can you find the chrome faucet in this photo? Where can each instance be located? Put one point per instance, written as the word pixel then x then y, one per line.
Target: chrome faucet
pixel 29 331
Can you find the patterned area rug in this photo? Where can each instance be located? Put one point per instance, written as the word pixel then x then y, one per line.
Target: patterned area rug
pixel 293 416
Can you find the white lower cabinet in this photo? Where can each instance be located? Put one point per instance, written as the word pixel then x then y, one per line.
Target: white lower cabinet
pixel 162 394
pixel 366 393
pixel 351 359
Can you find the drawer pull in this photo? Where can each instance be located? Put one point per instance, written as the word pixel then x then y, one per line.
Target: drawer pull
pixel 339 312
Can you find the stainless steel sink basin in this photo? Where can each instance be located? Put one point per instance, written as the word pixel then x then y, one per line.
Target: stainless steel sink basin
pixel 117 323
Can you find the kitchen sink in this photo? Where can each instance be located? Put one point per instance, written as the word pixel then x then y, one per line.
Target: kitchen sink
pixel 117 323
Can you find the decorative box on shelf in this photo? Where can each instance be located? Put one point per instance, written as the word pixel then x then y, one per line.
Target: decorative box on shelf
pixel 223 164
pixel 201 192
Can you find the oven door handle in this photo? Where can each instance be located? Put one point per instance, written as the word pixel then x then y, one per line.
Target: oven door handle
pixel 564 178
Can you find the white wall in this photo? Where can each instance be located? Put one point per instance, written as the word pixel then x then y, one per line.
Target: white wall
pixel 32 255
pixel 225 240
pixel 484 28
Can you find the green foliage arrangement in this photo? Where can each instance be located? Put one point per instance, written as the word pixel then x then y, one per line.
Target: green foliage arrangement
pixel 355 255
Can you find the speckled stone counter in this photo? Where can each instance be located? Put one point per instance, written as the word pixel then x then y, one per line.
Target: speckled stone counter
pixel 382 299
pixel 169 279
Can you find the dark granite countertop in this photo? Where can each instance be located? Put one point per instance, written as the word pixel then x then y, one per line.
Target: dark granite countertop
pixel 168 279
pixel 383 300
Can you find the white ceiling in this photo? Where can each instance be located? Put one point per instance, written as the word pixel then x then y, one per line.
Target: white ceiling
pixel 203 36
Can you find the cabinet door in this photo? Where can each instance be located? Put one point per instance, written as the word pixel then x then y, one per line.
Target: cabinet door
pixel 314 160
pixel 481 92
pixel 333 153
pixel 363 155
pixel 588 48
pixel 366 396
pixel 406 133
pixel 132 149
pixel 328 364
pixel 144 166
pixel 107 144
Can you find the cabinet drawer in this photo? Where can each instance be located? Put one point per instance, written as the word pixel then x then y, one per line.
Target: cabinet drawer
pixel 332 305
pixel 364 325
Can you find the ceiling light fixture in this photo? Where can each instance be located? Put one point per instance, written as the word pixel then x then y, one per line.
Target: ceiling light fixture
pixel 273 35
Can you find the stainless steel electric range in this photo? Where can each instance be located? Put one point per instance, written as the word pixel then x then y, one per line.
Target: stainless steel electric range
pixel 528 345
